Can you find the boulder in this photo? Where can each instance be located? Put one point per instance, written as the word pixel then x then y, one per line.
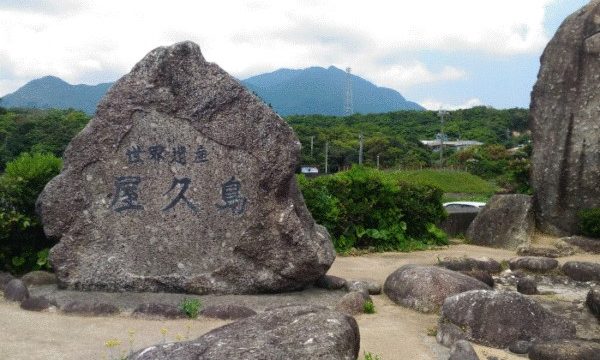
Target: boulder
pixel 541 251
pixel 564 124
pixel 182 182
pixel 458 221
pixel 424 288
pixel 330 282
pixel 520 347
pixel 353 303
pixel 155 310
pixel 527 286
pixel 565 350
pixel 36 304
pixel 507 221
pixel 39 278
pixel 16 290
pixel 582 271
pixel 482 276
pixel 584 243
pixel 448 334
pixel 533 263
pixel 498 319
pixel 370 287
pixel 227 312
pixel 294 333
pixel 462 350
pixel 592 301
pixel 89 308
pixel 5 278
pixel 468 264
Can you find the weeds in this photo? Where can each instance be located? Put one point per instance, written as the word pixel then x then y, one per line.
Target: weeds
pixel 369 307
pixel 191 307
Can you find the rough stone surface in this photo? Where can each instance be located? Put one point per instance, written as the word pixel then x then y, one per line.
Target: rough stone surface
pixel 448 334
pixel 182 182
pixel 5 278
pixel 564 124
pixel 520 347
pixel 462 350
pixel 507 221
pixel 35 304
pixel 533 263
pixel 424 288
pixel 527 286
pixel 482 276
pixel 330 282
pixel 592 301
pixel 467 264
pixel 294 333
pixel 16 290
pixel 159 311
pixel 498 319
pixel 542 251
pixel 584 243
pixel 227 312
pixel 582 271
pixel 370 287
pixel 458 221
pixel 565 350
pixel 39 278
pixel 352 303
pixel 90 308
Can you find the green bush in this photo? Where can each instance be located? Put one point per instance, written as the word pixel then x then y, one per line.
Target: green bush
pixel 191 307
pixel 367 208
pixel 23 245
pixel 589 222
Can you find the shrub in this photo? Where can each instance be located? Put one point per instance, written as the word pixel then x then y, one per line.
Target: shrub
pixel 367 208
pixel 589 222
pixel 369 307
pixel 23 246
pixel 191 307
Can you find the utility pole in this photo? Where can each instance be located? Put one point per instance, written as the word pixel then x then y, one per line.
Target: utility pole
pixel 312 139
pixel 377 161
pixel 326 156
pixel 348 100
pixel 360 149
pixel 441 114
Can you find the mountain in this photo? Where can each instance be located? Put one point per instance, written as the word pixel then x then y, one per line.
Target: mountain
pixel 314 90
pixel 52 92
pixel 317 90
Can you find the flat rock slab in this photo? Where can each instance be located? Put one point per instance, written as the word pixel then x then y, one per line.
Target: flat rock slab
pixel 424 288
pixel 39 278
pixel 533 263
pixel 295 333
pixel 565 350
pixel 227 312
pixel 157 310
pixel 498 319
pixel 582 271
pixel 182 182
pixel 584 243
pixel 469 264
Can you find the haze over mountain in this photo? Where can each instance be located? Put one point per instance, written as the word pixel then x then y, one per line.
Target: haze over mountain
pixel 314 90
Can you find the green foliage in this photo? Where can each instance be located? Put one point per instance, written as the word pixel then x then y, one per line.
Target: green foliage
pixel 191 307
pixel 367 208
pixel 369 307
pixel 371 356
pixel 23 246
pixel 449 181
pixel 589 222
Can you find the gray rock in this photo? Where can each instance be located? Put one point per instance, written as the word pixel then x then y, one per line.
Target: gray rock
pixel 352 303
pixel 592 301
pixel 16 290
pixel 498 319
pixel 564 119
pixel 39 278
pixel 462 350
pixel 294 333
pixel 36 304
pixel 527 286
pixel 507 221
pixel 565 350
pixel 582 271
pixel 458 221
pixel 520 347
pixel 330 282
pixel 584 243
pixel 482 276
pixel 533 263
pixel 551 252
pixel 370 287
pixel 227 312
pixel 155 310
pixel 89 308
pixel 5 278
pixel 183 182
pixel 424 288
pixel 448 334
pixel 468 264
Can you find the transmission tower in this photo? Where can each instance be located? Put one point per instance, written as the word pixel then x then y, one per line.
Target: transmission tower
pixel 348 110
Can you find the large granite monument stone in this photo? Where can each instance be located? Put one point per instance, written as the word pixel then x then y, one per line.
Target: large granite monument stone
pixel 183 181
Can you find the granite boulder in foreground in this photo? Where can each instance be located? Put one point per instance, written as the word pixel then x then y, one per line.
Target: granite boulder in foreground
pixel 182 182
pixel 287 333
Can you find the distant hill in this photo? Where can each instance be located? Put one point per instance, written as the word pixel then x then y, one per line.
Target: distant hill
pixel 317 90
pixel 52 92
pixel 313 90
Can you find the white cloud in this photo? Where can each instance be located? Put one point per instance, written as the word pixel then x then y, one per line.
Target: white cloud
pixel 431 104
pixel 83 40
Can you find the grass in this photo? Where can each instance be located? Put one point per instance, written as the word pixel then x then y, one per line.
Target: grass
pixel 369 307
pixel 191 307
pixel 450 181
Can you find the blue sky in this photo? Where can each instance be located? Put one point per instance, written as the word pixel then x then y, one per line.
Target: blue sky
pixel 452 54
